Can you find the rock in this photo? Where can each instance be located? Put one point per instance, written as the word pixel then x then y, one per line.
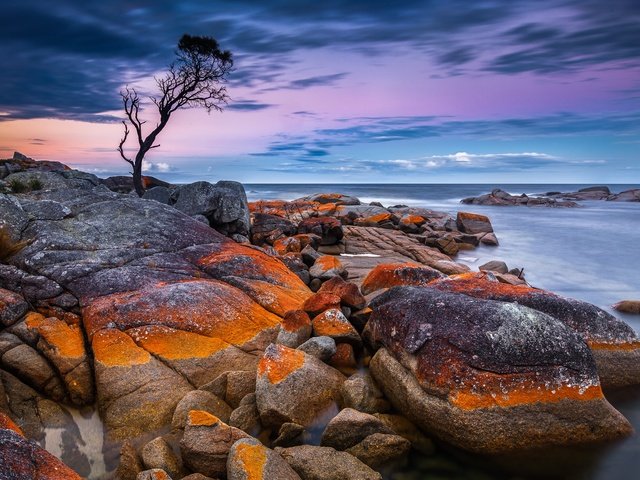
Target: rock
pixel 347 292
pixel 625 306
pixel 309 255
pixel 479 367
pixel 387 275
pixel 626 196
pixel 328 229
pixel 206 443
pixel 153 474
pixel 344 360
pixel 267 228
pixel 199 400
pixel 130 464
pixel 250 460
pixel 613 343
pixel 157 454
pixel 12 307
pixel 294 263
pixel 315 284
pixel 322 348
pixel 361 393
pixel 289 435
pixel 336 198
pixel 246 417
pixel 325 463
pixel 496 266
pixel 490 240
pixel 124 183
pixel 295 328
pixel 197 476
pixel 380 450
pixel 51 180
pixel 294 387
pixel 21 458
pixel 350 427
pixel 232 386
pixel 599 188
pixel 501 198
pixel 332 323
pixel 159 194
pixel 473 223
pixel 327 267
pixel 321 301
pixel 407 429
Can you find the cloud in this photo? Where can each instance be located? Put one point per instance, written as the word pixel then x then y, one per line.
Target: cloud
pixel 247 106
pixel 160 167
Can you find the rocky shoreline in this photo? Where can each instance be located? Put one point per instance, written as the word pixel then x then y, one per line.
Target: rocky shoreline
pixel 314 339
pixel 499 197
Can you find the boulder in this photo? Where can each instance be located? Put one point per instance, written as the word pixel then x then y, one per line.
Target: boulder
pixel 350 427
pixel 626 196
pixel 487 376
pixel 12 307
pixel 130 464
pixel 344 360
pixel 266 229
pixel 327 267
pixel 251 460
pixel 322 348
pixel 327 228
pixel 325 463
pixel 207 442
pixel 199 400
pixel 473 223
pixel 295 329
pixel 387 275
pixel 361 393
pixel 159 194
pixel 625 306
pixel 496 266
pixel 407 429
pixel 246 417
pixel 347 292
pixel 379 450
pixel 614 344
pixel 153 474
pixel 158 454
pixel 295 387
pixel 321 301
pixel 332 323
pixel 335 198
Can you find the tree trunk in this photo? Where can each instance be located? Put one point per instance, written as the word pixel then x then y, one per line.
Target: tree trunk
pixel 137 175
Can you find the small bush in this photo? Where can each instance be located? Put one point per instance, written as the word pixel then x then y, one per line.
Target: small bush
pixel 17 186
pixel 8 247
pixel 35 184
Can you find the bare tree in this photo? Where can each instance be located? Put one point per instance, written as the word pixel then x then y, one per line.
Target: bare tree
pixel 195 79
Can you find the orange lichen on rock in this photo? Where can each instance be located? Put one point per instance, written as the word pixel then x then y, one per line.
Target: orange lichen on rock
pixel 332 323
pixel 344 359
pixel 387 275
pixel 207 307
pixel 412 220
pixel 477 285
pixel 468 400
pixel 594 345
pixel 294 320
pixel 320 302
pixel 7 424
pixel 172 344
pixel 253 459
pixel 66 339
pixel 287 244
pixel 114 348
pixel 274 298
pixel 200 418
pixel 328 262
pixel 278 362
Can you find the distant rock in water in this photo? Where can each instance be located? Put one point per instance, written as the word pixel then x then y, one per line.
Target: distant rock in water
pixel 499 197
pixel 628 306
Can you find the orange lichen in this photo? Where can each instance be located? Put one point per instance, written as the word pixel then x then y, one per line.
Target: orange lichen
pixel 274 298
pixel 172 344
pixel 326 208
pixel 206 307
pixel 278 362
pixel 253 459
pixel 379 218
pixel 467 400
pixel 389 275
pixel 476 283
pixel 344 359
pixel 286 245
pixel 66 339
pixel 7 424
pixel 320 302
pixel 200 418
pixel 412 220
pixel 328 262
pixel 295 320
pixel 613 346
pixel 114 348
pixel 332 323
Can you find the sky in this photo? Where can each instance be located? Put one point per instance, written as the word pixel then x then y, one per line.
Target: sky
pixel 352 91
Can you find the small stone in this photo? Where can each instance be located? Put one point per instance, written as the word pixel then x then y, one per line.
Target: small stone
pixel 332 323
pixel 379 449
pixel 289 435
pixel 199 400
pixel 130 463
pixel 157 454
pixel 496 266
pixel 350 427
pixel 320 347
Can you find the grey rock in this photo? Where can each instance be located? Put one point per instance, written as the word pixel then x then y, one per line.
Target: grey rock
pixel 379 450
pixel 130 464
pixel 199 400
pixel 289 435
pixel 157 454
pixel 361 393
pixel 325 463
pixel 159 194
pixel 322 348
pixel 246 417
pixel 496 266
pixel 350 427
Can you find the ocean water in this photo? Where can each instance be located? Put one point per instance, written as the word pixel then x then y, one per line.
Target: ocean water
pixel 591 253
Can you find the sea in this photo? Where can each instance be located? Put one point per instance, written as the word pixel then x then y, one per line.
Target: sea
pixel 591 253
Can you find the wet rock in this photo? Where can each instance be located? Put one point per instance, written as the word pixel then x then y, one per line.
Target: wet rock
pixel 250 460
pixel 387 275
pixel 295 328
pixel 479 367
pixel 332 323
pixel 327 267
pixel 628 306
pixel 315 284
pixel 380 450
pixel 157 454
pixel 499 197
pixel 21 458
pixel 626 196
pixel 327 228
pixel 130 464
pixel 322 348
pixel 347 292
pixel 294 387
pixel 496 266
pixel 473 223
pixel 206 443
pixel 361 393
pixel 325 463
pixel 199 400
pixel 350 427
pixel 613 343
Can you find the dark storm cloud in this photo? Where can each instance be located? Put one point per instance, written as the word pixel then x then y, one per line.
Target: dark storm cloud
pixel 69 58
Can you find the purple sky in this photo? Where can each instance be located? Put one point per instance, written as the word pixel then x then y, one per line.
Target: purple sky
pixel 352 91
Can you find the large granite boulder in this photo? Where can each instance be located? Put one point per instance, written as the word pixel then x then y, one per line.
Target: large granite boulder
pixel 387 275
pixel 614 344
pixel 295 387
pixel 266 229
pixel 487 376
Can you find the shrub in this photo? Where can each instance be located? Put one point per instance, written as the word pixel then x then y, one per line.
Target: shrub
pixel 17 186
pixel 35 184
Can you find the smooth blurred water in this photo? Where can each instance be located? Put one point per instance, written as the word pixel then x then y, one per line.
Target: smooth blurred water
pixel 591 253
